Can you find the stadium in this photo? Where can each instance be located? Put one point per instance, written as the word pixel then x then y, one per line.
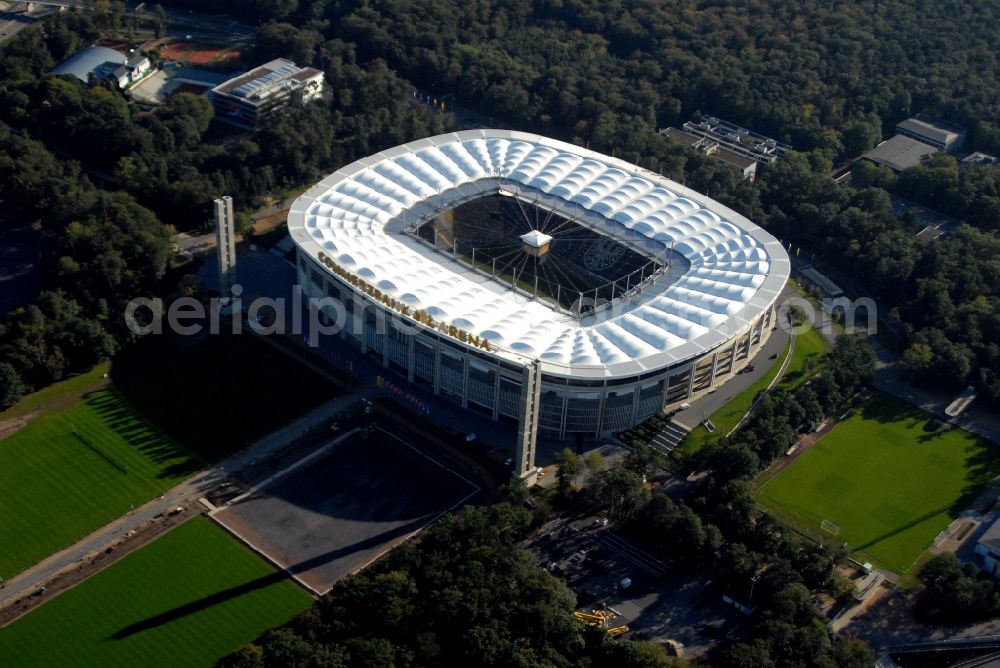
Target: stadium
pixel 535 281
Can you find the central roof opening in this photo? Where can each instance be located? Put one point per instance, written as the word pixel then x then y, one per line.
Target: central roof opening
pixel 542 253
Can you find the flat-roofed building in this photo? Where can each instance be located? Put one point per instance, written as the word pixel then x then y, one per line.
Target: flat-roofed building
pixel 935 132
pixel 736 139
pixel 703 144
pixel 132 71
pixel 99 61
pixel 988 547
pixel 978 159
pixel 250 99
pixel 746 165
pixel 684 139
pixel 900 152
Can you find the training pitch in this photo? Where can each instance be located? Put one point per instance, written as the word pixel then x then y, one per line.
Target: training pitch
pixel 337 513
pixel 890 476
pixel 69 471
pixel 187 599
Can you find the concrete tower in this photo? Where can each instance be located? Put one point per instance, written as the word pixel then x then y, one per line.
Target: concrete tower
pixel 226 244
pixel 527 426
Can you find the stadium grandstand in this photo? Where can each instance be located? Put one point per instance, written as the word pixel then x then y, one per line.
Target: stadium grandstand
pixel 538 282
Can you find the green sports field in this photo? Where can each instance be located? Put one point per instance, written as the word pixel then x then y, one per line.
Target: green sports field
pixel 889 477
pixel 74 469
pixel 186 599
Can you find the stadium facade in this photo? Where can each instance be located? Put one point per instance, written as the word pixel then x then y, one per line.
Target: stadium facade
pixel 538 282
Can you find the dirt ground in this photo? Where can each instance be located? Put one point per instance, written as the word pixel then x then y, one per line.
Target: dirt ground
pixel 10 425
pixel 200 54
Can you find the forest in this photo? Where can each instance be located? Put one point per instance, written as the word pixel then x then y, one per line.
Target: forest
pixel 465 594
pixel 106 184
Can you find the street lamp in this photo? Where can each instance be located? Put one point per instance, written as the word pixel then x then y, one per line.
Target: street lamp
pixel 753 581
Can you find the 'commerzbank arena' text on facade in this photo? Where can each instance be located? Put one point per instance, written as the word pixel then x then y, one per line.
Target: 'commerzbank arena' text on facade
pixel 605 364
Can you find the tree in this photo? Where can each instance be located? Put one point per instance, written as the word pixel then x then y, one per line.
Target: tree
pixel 746 655
pixel 623 490
pixel 242 222
pixel 730 460
pixel 569 467
pixel 852 363
pixel 11 386
pixel 858 136
pixel 248 656
pixel 594 462
pixel 918 359
pixel 162 21
pixel 283 40
pixel 874 176
pixel 635 654
pixel 952 593
pixel 852 653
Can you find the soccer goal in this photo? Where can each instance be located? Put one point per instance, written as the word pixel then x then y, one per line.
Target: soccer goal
pixel 829 527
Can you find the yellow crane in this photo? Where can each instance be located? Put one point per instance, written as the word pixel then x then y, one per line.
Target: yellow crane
pixel 596 618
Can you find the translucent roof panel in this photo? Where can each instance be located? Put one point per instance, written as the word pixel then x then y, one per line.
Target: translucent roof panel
pixel 357 217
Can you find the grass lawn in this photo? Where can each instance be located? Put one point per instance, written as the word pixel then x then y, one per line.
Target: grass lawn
pixel 807 359
pixel 729 415
pixel 65 391
pixel 187 599
pixel 74 469
pixel 217 394
pixel 888 477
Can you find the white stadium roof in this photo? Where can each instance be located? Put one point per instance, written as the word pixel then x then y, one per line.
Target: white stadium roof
pixel 358 216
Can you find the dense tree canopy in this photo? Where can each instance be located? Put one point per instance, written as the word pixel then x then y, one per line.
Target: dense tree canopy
pixel 955 593
pixel 106 180
pixel 464 594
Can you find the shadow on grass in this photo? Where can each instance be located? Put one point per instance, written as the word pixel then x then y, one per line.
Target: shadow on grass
pixel 199 605
pixel 215 394
pixel 263 582
pixel 903 527
pixel 982 463
pixel 118 416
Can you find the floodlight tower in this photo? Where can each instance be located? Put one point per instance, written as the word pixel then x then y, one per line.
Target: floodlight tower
pixel 225 245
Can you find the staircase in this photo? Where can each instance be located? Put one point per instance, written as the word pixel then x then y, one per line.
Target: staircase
pixel 665 440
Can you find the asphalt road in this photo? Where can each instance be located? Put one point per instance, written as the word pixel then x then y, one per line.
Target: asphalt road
pixel 704 406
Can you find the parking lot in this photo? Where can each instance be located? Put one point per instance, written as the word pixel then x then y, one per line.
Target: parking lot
pixel 659 605
pixel 334 515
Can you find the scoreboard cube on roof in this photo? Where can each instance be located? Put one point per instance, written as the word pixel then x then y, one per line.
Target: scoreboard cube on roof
pixel 535 243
